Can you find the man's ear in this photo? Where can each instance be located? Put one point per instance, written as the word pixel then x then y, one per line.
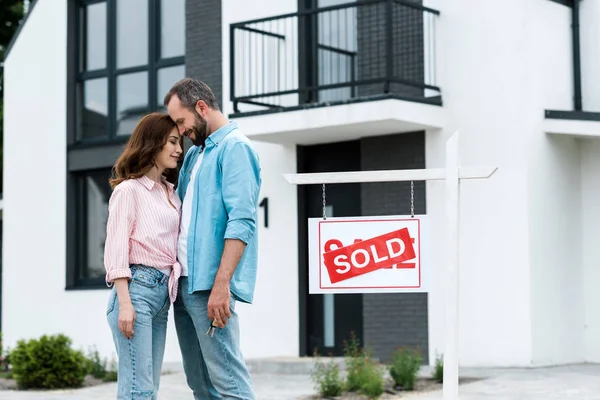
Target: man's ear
pixel 201 108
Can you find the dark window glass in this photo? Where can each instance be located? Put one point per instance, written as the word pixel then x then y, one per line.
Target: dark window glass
pixel 132 101
pixel 172 29
pixel 166 78
pixel 132 33
pixel 93 108
pixel 93 37
pixel 94 192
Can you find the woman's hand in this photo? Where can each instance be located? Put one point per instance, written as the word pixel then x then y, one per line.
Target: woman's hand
pixel 126 319
pixel 126 311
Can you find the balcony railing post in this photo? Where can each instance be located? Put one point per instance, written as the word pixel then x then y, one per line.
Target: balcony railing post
pixel 232 67
pixel 314 57
pixel 389 51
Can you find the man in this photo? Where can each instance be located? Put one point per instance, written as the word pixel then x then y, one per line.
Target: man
pixel 219 184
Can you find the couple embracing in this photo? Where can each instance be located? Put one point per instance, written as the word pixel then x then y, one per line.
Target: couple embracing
pixel 194 247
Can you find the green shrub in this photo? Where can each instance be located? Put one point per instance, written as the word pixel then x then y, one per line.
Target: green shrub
pixel 6 375
pixel 405 368
pixel 48 363
pixel 372 380
pixel 356 361
pixel 3 358
pixel 327 378
pixel 95 365
pixel 111 373
pixel 438 370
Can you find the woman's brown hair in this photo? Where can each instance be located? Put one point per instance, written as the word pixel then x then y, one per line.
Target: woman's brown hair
pixel 146 141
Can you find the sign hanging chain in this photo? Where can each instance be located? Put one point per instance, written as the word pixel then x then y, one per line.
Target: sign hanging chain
pixel 412 199
pixel 324 203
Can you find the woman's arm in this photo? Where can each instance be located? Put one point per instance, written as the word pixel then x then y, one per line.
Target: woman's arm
pixel 126 311
pixel 119 228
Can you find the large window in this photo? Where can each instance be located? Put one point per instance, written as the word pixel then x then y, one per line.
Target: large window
pixel 124 55
pixel 129 53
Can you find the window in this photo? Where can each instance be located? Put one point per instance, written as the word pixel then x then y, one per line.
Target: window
pixel 129 53
pixel 92 194
pixel 124 55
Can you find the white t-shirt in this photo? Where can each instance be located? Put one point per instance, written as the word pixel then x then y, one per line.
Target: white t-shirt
pixel 186 218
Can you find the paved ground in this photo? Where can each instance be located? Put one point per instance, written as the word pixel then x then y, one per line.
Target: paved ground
pixel 173 387
pixel 581 382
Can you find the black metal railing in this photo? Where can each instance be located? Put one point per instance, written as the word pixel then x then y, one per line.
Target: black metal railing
pixel 333 54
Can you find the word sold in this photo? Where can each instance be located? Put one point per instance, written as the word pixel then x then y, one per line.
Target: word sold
pixel 361 257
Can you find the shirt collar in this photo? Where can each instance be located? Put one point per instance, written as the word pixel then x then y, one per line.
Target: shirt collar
pixel 149 183
pixel 217 136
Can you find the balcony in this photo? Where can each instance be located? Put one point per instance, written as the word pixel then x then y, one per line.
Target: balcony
pixel 366 66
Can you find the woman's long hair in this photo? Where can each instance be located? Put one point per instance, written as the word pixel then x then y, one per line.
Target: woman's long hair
pixel 146 141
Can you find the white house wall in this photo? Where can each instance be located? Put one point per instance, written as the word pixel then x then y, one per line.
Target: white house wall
pixel 590 220
pixel 488 81
pixel 590 56
pixel 276 301
pixel 554 177
pixel 557 301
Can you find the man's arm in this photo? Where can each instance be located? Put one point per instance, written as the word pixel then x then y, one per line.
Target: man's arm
pixel 241 185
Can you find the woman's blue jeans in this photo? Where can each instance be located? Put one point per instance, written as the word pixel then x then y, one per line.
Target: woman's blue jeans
pixel 141 358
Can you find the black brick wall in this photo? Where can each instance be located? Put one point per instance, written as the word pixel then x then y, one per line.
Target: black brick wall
pixel 204 55
pixel 395 319
pixel 407 43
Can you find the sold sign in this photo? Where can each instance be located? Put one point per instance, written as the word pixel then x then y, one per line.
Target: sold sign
pixel 366 256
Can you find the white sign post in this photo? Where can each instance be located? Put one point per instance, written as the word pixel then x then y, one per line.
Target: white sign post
pixel 452 174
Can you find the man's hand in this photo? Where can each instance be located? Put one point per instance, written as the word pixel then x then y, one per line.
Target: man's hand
pixel 126 319
pixel 218 305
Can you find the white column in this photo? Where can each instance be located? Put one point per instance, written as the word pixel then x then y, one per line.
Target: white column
pixel 450 388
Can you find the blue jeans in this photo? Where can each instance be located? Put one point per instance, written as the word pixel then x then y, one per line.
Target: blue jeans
pixel 141 358
pixel 214 366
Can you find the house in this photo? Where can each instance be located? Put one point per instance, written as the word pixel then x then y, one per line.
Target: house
pixel 330 85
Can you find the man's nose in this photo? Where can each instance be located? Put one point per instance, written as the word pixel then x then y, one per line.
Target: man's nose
pixel 181 130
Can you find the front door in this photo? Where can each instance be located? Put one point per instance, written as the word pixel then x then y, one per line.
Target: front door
pixel 327 320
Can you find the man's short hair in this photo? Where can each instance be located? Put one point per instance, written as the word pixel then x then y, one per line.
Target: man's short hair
pixel 189 91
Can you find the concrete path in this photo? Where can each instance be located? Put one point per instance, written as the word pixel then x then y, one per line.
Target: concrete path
pixel 173 387
pixel 580 382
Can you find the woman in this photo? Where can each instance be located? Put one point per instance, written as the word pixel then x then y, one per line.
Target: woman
pixel 140 253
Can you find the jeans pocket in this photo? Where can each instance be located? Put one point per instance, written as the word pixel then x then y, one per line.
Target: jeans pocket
pixel 144 278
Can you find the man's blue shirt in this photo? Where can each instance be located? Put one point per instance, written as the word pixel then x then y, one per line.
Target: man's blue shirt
pixel 224 206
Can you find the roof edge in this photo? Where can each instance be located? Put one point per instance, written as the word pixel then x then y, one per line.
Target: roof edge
pixel 18 31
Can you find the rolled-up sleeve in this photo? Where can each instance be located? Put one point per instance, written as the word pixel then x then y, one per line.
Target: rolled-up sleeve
pixel 119 227
pixel 241 186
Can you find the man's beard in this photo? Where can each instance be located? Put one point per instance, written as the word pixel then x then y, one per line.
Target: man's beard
pixel 199 130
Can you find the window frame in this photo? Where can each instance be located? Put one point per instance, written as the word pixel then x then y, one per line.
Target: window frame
pixel 568 3
pixel 111 72
pixel 86 155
